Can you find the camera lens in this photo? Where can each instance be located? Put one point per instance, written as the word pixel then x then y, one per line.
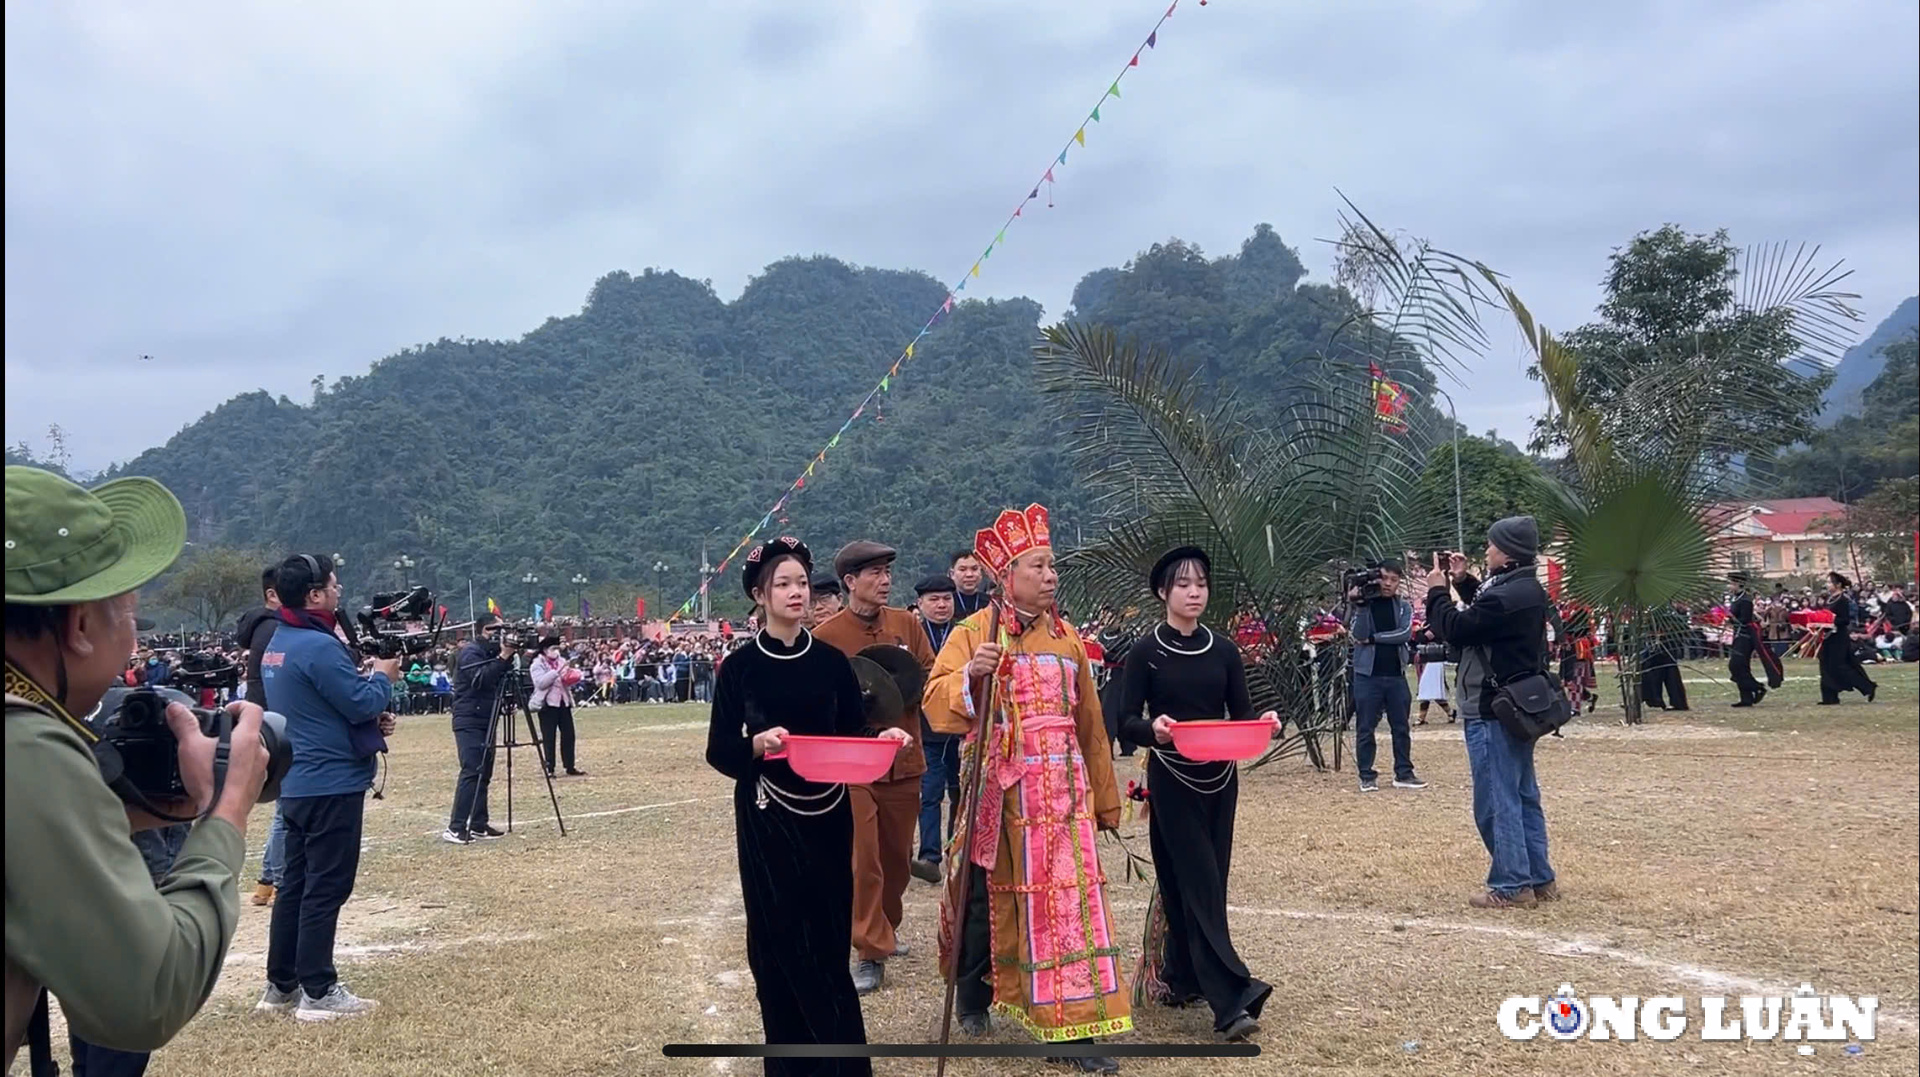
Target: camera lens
pixel 273 735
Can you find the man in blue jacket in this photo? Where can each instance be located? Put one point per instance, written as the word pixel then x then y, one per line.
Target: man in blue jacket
pixel 336 722
pixel 1381 627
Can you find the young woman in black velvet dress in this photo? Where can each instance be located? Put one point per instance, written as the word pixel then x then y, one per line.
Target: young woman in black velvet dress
pixel 1182 671
pixel 794 837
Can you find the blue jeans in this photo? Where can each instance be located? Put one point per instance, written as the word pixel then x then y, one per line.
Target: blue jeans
pixel 1371 697
pixel 273 860
pixel 941 780
pixel 1506 806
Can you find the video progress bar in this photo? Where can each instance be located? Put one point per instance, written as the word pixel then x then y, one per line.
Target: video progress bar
pixel 961 1050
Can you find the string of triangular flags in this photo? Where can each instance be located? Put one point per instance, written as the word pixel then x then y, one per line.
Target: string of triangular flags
pixel 954 294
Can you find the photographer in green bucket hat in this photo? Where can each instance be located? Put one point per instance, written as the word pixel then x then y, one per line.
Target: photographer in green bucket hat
pixel 130 964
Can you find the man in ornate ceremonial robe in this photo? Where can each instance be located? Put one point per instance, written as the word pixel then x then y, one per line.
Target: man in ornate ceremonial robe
pixel 1038 944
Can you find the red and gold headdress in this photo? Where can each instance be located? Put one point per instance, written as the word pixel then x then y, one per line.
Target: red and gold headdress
pixel 1013 534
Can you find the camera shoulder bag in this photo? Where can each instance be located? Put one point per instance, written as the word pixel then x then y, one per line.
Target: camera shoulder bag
pixel 1530 703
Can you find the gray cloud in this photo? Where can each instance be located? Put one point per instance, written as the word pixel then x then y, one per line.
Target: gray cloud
pixel 257 195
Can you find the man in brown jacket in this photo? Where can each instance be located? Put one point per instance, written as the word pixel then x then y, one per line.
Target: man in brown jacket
pixel 885 812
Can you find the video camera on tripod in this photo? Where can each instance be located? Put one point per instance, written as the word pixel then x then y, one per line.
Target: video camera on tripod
pixel 399 623
pixel 204 669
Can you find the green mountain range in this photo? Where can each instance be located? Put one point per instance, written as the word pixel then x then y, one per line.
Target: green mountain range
pixel 660 417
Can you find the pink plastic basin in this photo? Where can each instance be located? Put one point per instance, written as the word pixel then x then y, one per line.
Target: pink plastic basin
pixel 853 760
pixel 1222 741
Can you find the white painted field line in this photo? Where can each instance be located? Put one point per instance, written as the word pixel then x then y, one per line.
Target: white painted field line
pixel 539 819
pixel 1712 979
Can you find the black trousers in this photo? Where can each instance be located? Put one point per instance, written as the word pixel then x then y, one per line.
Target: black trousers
pixel 93 1060
pixel 1840 669
pixel 1660 682
pixel 1740 667
pixel 1374 697
pixel 476 774
pixel 556 720
pixel 973 987
pixel 322 861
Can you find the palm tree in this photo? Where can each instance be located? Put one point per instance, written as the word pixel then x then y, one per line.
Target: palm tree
pixel 1284 503
pixel 1634 521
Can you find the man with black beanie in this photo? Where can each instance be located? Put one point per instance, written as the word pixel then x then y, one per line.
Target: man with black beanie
pixel 1501 634
pixel 478 668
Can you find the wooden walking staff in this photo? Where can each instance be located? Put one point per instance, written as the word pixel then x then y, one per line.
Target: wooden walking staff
pixel 1013 533
pixel 970 817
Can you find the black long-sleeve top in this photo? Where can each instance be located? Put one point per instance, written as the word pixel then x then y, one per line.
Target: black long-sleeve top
pixel 1183 677
pixel 1842 608
pixel 477 670
pixel 808 688
pixel 1741 613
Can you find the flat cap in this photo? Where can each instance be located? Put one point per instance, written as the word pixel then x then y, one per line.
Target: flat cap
pixel 859 554
pixel 939 583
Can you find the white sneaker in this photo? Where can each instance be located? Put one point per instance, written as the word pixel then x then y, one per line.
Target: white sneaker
pixel 336 1003
pixel 456 837
pixel 274 1000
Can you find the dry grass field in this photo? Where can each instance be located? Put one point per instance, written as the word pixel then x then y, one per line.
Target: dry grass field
pixel 1714 852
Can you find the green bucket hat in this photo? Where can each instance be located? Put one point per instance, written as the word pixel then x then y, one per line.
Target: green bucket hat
pixel 66 545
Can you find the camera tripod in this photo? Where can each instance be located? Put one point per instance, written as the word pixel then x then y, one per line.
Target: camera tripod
pixel 515 687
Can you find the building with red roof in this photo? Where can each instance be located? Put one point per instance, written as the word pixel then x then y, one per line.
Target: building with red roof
pixel 1783 537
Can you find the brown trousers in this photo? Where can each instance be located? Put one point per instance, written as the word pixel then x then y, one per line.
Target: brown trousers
pixel 884 816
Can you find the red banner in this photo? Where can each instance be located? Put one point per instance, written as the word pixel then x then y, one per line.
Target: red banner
pixel 640 607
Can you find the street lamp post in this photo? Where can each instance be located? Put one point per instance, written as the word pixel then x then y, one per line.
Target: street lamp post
pixel 579 586
pixel 529 579
pixel 404 566
pixel 659 593
pixel 1459 510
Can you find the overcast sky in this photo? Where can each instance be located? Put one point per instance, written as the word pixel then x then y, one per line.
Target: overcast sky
pixel 254 194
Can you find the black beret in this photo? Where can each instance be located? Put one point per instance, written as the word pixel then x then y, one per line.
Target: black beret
pixel 824 585
pixel 936 584
pixel 1737 577
pixel 1157 578
pixel 859 554
pixel 760 556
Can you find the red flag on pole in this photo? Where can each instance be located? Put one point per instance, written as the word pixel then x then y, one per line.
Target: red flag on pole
pixel 548 609
pixel 1389 400
pixel 640 607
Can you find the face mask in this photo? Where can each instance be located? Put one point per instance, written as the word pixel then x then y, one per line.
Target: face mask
pixel 553 652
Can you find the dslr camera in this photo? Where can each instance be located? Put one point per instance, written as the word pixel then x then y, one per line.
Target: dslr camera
pixel 140 760
pixel 399 623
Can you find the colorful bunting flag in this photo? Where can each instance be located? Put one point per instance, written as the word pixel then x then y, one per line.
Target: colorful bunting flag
pixel 946 303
